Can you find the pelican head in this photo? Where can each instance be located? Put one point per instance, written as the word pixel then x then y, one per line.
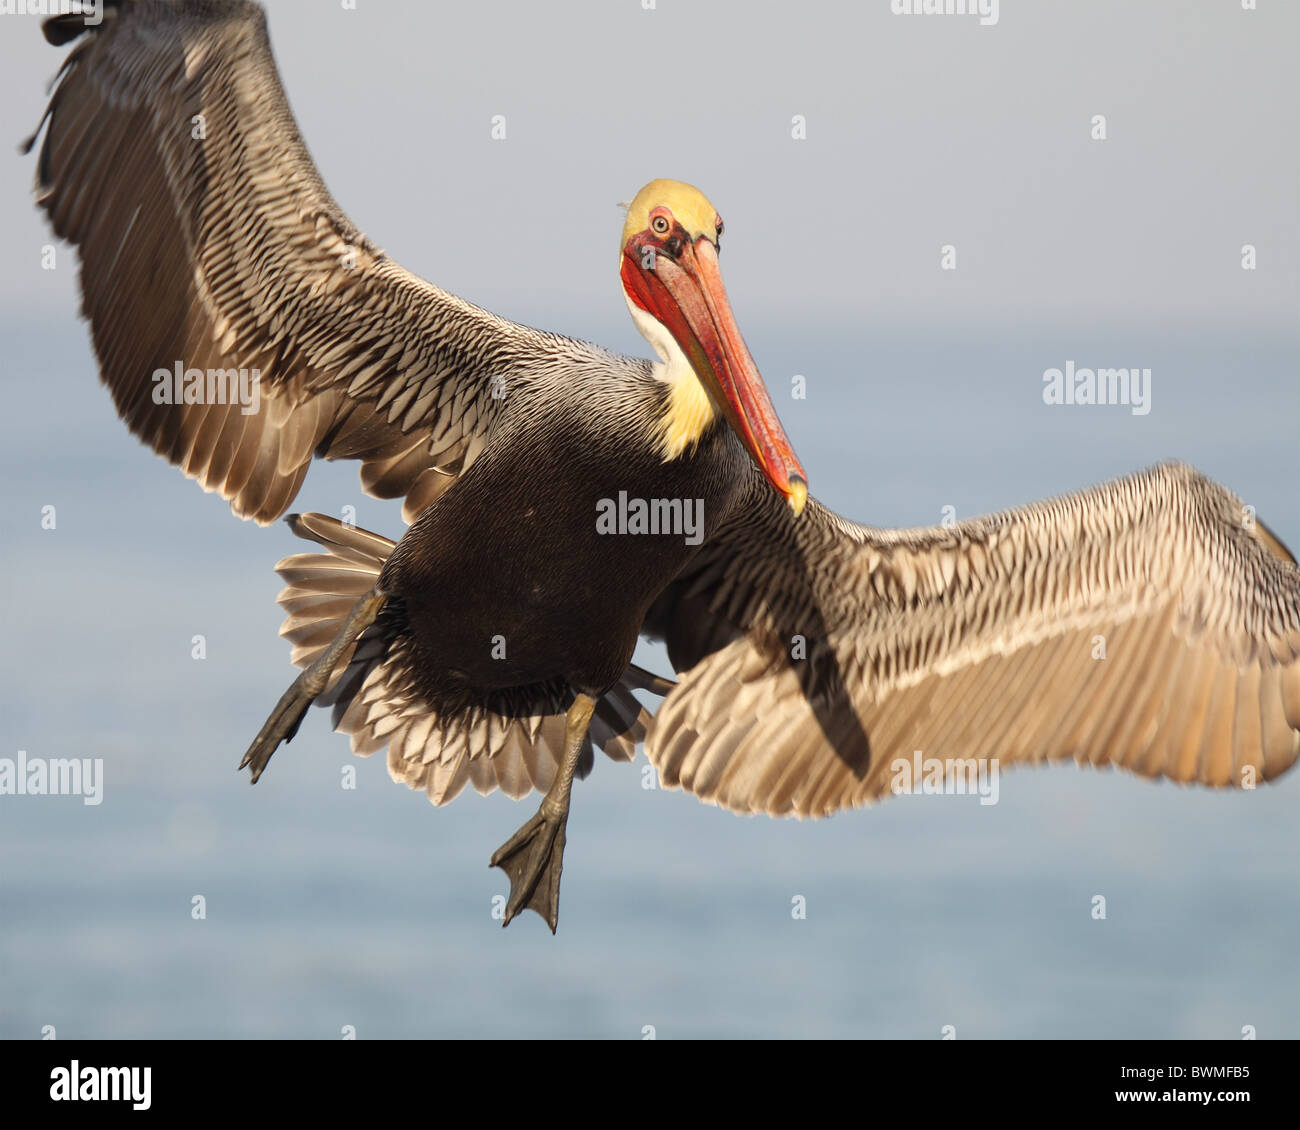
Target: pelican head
pixel 669 267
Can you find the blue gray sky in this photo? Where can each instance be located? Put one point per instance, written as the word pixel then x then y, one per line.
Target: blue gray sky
pixel 921 131
pixel 328 908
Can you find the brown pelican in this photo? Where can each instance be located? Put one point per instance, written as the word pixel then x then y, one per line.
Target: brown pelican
pixel 491 645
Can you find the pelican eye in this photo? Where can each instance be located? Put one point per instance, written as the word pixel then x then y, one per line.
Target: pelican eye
pixel 660 224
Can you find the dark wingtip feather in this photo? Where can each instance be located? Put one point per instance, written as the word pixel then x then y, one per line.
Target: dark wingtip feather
pixel 59 30
pixel 63 29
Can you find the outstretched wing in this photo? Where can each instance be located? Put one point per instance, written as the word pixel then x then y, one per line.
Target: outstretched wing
pixel 1148 623
pixel 209 242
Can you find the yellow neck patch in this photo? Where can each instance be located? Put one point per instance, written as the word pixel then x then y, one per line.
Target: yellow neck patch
pixel 689 414
pixel 689 410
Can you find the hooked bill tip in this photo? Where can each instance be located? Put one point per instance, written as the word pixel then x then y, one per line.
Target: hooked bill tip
pixel 798 496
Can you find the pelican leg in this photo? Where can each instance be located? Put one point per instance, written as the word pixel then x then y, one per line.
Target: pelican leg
pixel 534 856
pixel 307 687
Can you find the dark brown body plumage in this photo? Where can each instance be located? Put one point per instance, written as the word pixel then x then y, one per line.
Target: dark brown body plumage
pixel 507 581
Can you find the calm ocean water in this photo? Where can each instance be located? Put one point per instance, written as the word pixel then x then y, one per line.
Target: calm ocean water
pixel 327 908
